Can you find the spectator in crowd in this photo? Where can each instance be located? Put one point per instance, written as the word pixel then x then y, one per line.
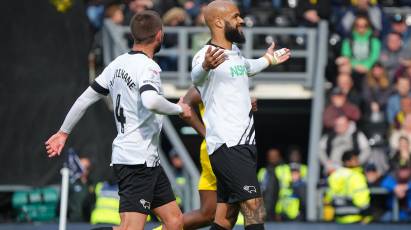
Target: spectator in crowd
pixel 339 106
pixel 394 101
pixel 344 137
pixel 81 194
pixel 135 6
pixel 376 90
pixel 106 210
pixel 362 48
pixel 393 53
pixel 377 203
pixel 199 39
pixel 311 12
pixel 284 188
pixel 294 199
pixel 176 16
pixel 270 184
pixel 114 34
pixel 396 135
pixel 398 25
pixel 402 156
pixel 403 70
pixel 180 176
pixel 348 190
pixel 405 109
pixel 398 183
pixel 345 83
pixel 362 7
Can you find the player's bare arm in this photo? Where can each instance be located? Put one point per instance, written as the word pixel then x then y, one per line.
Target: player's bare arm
pixel 193 99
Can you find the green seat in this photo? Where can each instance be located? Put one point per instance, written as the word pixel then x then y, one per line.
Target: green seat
pixel 38 204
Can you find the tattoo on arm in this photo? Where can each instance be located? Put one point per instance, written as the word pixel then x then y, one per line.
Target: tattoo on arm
pixel 253 211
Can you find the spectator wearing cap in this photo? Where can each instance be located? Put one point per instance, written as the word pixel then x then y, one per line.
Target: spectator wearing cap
pixel 345 83
pixel 348 191
pixel 393 53
pixel 345 136
pixel 394 101
pixel 339 106
pixel 399 25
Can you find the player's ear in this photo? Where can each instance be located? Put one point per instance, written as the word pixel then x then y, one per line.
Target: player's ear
pixel 159 36
pixel 219 23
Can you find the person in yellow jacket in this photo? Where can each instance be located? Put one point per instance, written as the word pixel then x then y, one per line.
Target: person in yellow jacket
pixel 283 187
pixel 348 191
pixel 107 204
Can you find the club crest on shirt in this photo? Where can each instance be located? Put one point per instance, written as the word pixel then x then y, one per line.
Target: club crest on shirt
pixel 250 189
pixel 145 203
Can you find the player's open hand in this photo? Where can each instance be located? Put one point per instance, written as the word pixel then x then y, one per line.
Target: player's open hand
pixel 276 57
pixel 213 58
pixel 55 143
pixel 186 114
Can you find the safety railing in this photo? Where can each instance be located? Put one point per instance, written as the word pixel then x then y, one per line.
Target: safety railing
pixel 256 45
pixel 302 41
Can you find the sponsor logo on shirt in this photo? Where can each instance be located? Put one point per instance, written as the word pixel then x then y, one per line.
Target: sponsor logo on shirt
pixel 238 71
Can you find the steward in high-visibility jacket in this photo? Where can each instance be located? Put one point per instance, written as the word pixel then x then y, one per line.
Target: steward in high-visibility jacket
pixel 106 210
pixel 348 191
pixel 288 204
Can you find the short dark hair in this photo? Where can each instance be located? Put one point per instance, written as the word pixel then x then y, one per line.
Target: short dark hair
pixel 144 26
pixel 348 155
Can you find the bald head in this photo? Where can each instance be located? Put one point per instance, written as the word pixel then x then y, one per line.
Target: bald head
pixel 217 9
pixel 223 18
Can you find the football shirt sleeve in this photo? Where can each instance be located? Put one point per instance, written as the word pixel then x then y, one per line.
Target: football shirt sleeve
pixel 198 74
pixel 89 97
pixel 101 83
pixel 149 79
pixel 255 66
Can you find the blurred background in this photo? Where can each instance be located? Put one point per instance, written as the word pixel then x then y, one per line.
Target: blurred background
pixel 333 124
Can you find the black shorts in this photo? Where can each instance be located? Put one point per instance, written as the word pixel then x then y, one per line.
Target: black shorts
pixel 236 171
pixel 142 188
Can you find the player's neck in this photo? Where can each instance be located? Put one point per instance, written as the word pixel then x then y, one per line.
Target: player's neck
pixel 147 50
pixel 221 42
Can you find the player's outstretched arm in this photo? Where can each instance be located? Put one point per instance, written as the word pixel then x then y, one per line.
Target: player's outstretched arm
pixel 158 104
pixel 271 57
pixel 55 143
pixel 193 99
pixel 212 59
